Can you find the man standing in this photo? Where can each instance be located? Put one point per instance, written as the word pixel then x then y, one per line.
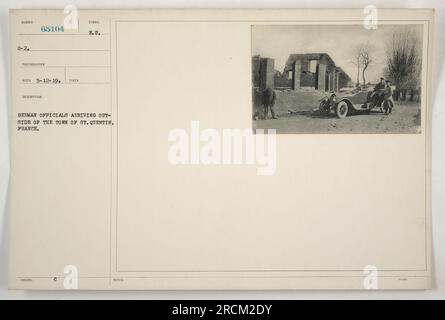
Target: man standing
pixel 268 101
pixel 388 103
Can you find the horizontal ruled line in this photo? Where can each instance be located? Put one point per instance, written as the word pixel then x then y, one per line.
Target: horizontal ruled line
pixel 41 66
pixel 62 83
pixel 63 50
pixel 63 34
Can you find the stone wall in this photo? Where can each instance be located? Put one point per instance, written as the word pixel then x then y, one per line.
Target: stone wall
pixel 267 72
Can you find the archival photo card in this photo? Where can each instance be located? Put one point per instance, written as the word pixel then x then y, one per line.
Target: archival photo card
pixel 337 78
pixel 139 163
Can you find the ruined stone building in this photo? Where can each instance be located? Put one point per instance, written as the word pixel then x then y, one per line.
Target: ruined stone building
pixel 315 71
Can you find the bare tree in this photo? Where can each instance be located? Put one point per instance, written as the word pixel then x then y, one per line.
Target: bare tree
pixel 365 59
pixel 403 59
pixel 357 62
pixel 362 60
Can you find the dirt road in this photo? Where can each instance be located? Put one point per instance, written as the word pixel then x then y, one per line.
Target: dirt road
pixel 405 118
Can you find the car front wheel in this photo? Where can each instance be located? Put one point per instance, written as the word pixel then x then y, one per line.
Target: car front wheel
pixel 342 109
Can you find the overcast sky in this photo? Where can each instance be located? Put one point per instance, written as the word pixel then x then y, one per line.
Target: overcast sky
pixel 339 41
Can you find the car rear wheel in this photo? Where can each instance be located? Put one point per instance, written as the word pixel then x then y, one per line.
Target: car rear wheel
pixel 342 109
pixel 325 108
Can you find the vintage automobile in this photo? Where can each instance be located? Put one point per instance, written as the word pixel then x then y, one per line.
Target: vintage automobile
pixel 347 103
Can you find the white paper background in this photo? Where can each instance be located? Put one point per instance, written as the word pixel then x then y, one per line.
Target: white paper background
pixel 438 99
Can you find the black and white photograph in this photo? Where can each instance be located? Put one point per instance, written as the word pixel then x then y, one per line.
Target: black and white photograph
pixel 337 78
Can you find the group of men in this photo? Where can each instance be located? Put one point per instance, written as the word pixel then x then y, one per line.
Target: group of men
pixel 381 96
